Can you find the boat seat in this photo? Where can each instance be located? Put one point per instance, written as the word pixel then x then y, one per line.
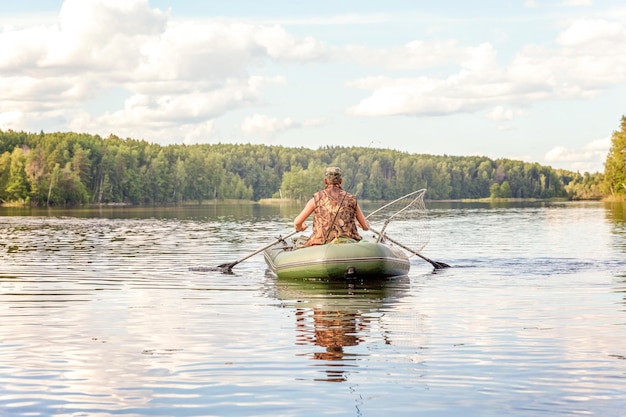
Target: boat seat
pixel 300 241
pixel 342 239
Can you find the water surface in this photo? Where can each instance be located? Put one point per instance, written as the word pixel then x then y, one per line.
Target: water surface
pixel 104 312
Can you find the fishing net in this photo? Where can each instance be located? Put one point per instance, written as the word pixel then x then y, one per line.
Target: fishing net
pixel 403 220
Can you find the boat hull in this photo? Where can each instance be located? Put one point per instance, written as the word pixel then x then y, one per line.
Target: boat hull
pixel 337 260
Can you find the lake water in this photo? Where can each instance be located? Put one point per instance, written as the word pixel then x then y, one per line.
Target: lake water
pixel 107 312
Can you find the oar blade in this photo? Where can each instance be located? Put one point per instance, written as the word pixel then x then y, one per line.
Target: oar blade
pixel 226 268
pixel 204 268
pixel 435 264
pixel 439 265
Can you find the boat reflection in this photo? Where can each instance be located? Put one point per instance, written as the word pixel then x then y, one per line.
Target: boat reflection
pixel 337 315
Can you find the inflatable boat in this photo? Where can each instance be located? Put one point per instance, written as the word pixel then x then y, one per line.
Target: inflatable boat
pixel 341 258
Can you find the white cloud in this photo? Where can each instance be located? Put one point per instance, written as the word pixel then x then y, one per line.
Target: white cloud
pixel 478 84
pixel 170 111
pixel 590 59
pixel 197 132
pixel 413 55
pixel 174 72
pixel 265 125
pixel 314 122
pixel 591 31
pixel 268 126
pixel 11 118
pixel 587 158
pixel 165 131
pixel 174 78
pixel 282 46
pixel 577 3
pixel 503 113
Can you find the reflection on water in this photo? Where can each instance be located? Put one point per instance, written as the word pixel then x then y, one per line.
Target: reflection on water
pixel 335 315
pixel 616 212
pixel 102 313
pixel 218 212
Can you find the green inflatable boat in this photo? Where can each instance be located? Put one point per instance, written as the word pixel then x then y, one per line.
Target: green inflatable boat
pixel 342 258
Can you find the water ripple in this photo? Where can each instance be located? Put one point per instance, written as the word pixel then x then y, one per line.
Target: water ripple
pixel 107 316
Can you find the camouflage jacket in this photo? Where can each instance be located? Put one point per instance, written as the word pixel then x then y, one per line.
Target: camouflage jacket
pixel 327 203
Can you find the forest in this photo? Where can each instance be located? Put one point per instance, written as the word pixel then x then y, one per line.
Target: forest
pixel 68 169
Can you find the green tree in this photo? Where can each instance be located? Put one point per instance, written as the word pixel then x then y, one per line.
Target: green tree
pixel 301 184
pixel 18 187
pixel 52 185
pixel 5 174
pixel 180 178
pixel 494 190
pixel 113 170
pixel 583 187
pixel 72 190
pixel 615 165
pixel 505 190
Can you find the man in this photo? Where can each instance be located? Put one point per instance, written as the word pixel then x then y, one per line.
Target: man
pixel 335 212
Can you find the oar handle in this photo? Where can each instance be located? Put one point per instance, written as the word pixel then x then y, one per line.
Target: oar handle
pixel 280 239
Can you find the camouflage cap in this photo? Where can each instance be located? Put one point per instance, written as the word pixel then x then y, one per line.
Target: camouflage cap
pixel 333 174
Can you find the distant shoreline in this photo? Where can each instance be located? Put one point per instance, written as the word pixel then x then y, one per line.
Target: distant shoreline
pixel 271 201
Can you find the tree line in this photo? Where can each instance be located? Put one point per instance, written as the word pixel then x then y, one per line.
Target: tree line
pixel 69 168
pixel 615 166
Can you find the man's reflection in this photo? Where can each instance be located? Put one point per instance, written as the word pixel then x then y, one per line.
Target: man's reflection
pixel 337 315
pixel 332 330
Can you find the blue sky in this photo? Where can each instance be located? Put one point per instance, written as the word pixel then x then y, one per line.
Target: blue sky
pixel 537 80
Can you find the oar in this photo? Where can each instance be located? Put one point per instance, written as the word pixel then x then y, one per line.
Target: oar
pixel 229 266
pixel 435 264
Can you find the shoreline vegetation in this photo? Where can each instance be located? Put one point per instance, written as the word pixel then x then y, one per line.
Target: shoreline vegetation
pixel 279 201
pixel 67 169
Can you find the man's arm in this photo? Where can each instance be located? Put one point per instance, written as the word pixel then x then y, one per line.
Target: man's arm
pixel 299 223
pixel 361 218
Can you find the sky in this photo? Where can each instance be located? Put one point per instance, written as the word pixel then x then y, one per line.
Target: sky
pixel 534 80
